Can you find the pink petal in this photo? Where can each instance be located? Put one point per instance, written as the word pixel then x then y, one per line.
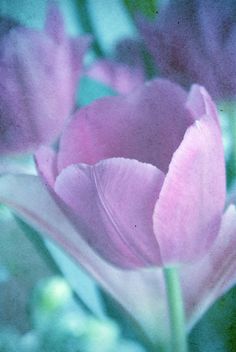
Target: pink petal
pixel 115 200
pixel 188 213
pixel 195 102
pixel 140 292
pixel 200 103
pixel 118 76
pixel 45 159
pixel 54 24
pixel 147 125
pixel 29 99
pixel 37 88
pixel 78 47
pixel 205 281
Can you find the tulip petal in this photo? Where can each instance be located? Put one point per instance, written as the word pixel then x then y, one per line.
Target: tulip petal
pixel 28 96
pixel 140 292
pixel 195 102
pixel 45 159
pixel 119 76
pixel 37 88
pixel 188 213
pixel 200 103
pixel 54 24
pixel 108 199
pixel 138 126
pixel 78 47
pixel 205 281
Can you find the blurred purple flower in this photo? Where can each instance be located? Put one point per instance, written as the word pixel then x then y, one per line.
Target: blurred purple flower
pixel 118 76
pixel 194 41
pixel 142 176
pixel 173 192
pixel 123 72
pixel 39 71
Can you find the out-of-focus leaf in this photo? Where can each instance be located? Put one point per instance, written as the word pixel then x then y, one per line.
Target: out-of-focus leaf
pixel 50 300
pixel 22 267
pixel 30 342
pixel 147 7
pixel 80 282
pixel 84 287
pixel 24 11
pixel 39 244
pixel 9 341
pixel 49 296
pixel 216 330
pixel 128 325
pixel 100 336
pixel 87 25
pixel 111 23
pixel 17 164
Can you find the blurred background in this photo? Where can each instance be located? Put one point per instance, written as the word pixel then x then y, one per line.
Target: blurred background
pixel 47 303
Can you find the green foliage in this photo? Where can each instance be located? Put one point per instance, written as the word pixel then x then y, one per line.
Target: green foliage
pixel 9 340
pixel 147 7
pixel 216 330
pixel 59 326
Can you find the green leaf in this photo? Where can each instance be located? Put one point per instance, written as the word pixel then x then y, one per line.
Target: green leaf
pixel 148 7
pixel 83 286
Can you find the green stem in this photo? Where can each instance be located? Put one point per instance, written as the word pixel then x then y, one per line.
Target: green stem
pixel 176 311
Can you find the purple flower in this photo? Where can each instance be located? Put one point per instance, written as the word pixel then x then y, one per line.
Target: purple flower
pixel 118 76
pixel 138 181
pixel 142 176
pixel 39 71
pixel 194 41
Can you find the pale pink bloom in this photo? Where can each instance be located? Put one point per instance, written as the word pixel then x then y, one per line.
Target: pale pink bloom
pixel 118 76
pixel 141 292
pixel 143 174
pixel 39 71
pixel 139 182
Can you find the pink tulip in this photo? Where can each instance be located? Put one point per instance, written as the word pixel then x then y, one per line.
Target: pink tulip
pixel 142 177
pixel 39 71
pixel 104 140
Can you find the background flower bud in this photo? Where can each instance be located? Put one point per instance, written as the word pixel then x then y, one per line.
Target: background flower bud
pixel 39 72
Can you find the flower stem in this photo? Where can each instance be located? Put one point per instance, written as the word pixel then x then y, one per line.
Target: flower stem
pixel 176 311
